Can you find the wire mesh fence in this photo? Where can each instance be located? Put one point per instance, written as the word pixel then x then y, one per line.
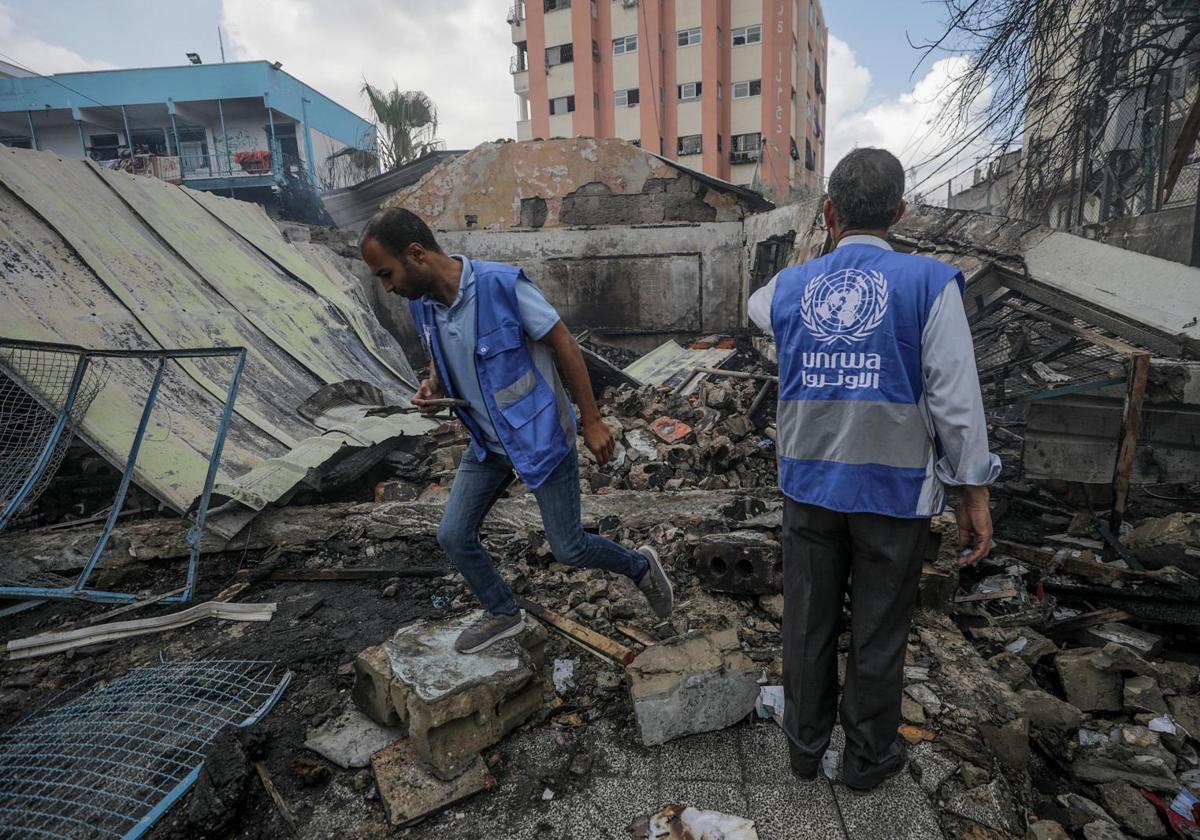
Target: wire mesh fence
pixel 46 391
pixel 38 392
pixel 1021 356
pixel 110 762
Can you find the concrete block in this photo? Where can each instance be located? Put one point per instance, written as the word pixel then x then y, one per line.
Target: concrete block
pixel 742 562
pixel 373 687
pixel 409 791
pixel 1086 680
pixel 691 684
pixel 1142 694
pixel 456 705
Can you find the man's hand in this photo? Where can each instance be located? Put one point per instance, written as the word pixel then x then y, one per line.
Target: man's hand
pixel 599 439
pixel 427 391
pixel 974 525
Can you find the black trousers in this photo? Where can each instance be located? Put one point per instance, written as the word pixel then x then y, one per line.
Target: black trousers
pixel 880 558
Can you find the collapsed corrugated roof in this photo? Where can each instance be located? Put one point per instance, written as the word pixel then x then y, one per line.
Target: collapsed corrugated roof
pixel 110 260
pixel 351 207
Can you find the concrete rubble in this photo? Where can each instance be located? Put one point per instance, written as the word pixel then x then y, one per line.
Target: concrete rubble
pixel 1051 692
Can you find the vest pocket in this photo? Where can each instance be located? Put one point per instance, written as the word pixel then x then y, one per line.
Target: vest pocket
pixel 527 406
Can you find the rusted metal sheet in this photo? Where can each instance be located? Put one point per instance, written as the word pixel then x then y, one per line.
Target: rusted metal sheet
pixel 110 260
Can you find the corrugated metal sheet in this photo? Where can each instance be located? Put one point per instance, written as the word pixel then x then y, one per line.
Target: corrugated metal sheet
pixel 110 260
pixel 352 207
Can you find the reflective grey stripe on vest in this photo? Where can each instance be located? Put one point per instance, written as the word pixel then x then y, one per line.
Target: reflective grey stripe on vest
pixel 854 432
pixel 509 394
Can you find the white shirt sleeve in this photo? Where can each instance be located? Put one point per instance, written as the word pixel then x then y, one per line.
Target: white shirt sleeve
pixel 952 394
pixel 759 306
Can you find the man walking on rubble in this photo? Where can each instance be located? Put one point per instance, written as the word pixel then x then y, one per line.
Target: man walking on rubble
pixel 493 340
pixel 879 410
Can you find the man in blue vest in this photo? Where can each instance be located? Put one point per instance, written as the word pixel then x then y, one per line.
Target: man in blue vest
pixel 879 411
pixel 493 341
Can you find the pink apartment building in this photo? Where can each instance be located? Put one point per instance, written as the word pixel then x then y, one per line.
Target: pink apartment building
pixel 734 88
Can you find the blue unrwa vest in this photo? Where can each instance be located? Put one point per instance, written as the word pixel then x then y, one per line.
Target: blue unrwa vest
pixel 527 413
pixel 853 431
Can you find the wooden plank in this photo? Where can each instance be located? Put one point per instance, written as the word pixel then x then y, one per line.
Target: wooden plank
pixel 1069 626
pixel 576 632
pixel 277 798
pixel 1114 344
pixel 1131 428
pixel 638 635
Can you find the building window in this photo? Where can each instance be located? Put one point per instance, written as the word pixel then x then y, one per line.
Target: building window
pixel 718 144
pixel 554 5
pixel 104 147
pixel 720 90
pixel 691 144
pixel 795 44
pixel 150 141
pixel 562 54
pixel 810 159
pixel 595 11
pixel 817 80
pixel 595 102
pixel 689 37
pixel 562 105
pixel 745 148
pixel 747 35
pixel 630 96
pixel 753 87
pixel 689 90
pixel 812 15
pixel 637 143
pixel 793 94
pixel 595 51
pixel 628 44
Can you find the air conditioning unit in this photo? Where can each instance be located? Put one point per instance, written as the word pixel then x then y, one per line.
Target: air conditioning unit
pixel 629 4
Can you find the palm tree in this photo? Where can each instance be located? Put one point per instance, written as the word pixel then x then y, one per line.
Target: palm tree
pixel 405 124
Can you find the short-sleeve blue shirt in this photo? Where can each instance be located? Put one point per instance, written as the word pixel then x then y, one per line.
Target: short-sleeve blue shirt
pixel 456 329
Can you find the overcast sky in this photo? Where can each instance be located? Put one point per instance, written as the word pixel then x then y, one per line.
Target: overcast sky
pixel 457 51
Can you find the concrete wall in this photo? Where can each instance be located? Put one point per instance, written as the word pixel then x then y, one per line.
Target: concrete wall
pixel 1170 234
pixel 646 281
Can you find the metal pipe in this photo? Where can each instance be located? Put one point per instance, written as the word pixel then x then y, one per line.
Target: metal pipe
pixel 33 141
pixel 225 137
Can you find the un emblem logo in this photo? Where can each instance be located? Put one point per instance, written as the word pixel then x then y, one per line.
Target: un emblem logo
pixel 846 305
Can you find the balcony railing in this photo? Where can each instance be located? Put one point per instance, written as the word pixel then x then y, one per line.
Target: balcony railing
pixel 748 156
pixel 517 65
pixel 516 14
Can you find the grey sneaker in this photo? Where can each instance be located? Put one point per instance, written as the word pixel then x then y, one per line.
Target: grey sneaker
pixel 489 629
pixel 655 585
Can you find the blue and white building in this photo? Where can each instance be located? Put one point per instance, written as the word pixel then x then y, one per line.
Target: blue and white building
pixel 241 129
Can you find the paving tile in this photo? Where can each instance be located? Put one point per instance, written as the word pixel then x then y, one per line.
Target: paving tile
pixel 800 809
pixel 764 753
pixel 896 810
pixel 707 757
pixel 608 806
pixel 934 766
pixel 711 796
pixel 614 756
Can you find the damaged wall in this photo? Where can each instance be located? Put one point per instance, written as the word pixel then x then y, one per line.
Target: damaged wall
pixel 558 183
pixel 655 280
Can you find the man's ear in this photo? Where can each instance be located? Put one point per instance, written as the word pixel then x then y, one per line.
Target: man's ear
pixel 828 214
pixel 414 252
pixel 900 211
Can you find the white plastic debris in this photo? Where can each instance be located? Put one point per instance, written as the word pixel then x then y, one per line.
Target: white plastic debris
pixel 547 795
pixel 916 673
pixel 564 674
pixel 1164 723
pixel 830 762
pixel 770 703
pixel 686 821
pixel 1184 804
pixel 1017 645
pixel 1091 738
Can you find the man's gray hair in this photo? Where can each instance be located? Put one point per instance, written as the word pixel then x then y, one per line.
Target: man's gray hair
pixel 866 189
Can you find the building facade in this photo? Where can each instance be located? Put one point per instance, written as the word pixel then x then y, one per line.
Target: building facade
pixel 246 129
pixel 733 88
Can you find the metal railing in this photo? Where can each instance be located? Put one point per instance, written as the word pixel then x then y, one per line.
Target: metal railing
pixel 516 65
pixel 45 392
pixel 516 14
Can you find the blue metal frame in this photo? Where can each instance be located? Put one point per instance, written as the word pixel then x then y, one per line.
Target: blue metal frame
pixel 79 589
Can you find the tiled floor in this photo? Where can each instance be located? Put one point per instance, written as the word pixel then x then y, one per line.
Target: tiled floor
pixel 741 770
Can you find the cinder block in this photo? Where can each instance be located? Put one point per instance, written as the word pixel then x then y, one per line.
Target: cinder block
pixel 741 562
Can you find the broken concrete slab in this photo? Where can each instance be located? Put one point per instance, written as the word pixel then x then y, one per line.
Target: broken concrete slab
pixel 1142 694
pixel 691 684
pixel 1131 810
pixel 1186 711
pixel 1081 810
pixel 1047 830
pixel 350 739
pixel 740 562
pixel 1047 714
pixel 452 705
pixel 1088 681
pixel 1114 762
pixel 1101 830
pixel 409 791
pixel 1145 644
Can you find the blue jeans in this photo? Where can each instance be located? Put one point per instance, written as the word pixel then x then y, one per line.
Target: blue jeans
pixel 477 486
